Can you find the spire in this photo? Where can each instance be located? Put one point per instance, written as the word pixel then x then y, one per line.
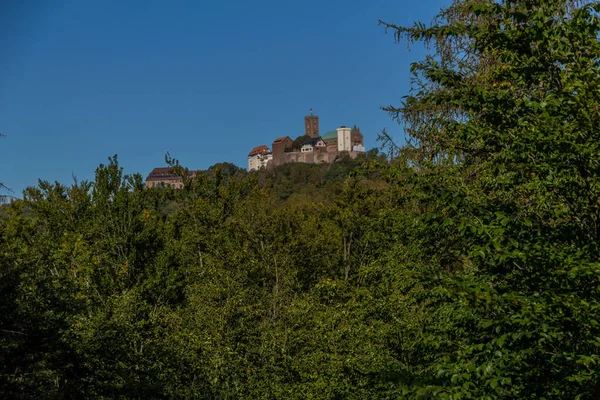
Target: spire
pixel 311 111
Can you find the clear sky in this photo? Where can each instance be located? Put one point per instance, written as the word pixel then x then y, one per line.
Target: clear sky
pixel 205 80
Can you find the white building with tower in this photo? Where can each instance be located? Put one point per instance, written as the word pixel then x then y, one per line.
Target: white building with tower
pixel 259 157
pixel 344 140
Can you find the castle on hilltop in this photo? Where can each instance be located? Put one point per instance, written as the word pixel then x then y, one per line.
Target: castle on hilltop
pixel 310 148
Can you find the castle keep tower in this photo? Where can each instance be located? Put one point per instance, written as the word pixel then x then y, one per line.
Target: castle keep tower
pixel 311 125
pixel 343 139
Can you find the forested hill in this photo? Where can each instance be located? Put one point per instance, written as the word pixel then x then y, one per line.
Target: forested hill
pixel 463 266
pixel 112 289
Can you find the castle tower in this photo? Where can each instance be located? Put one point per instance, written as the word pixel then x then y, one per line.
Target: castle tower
pixel 343 139
pixel 357 137
pixel 311 125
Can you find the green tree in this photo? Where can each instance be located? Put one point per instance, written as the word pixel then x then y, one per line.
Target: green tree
pixel 503 121
pixel 299 141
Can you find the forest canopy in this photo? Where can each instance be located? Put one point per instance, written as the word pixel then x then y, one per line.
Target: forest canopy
pixel 463 265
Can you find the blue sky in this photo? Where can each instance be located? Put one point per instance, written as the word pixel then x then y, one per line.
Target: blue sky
pixel 205 80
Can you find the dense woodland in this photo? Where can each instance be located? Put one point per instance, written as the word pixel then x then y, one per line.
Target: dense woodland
pixel 464 265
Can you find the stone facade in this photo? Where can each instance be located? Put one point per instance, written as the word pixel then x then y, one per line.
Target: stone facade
pixel 311 125
pixel 331 145
pixel 315 157
pixel 356 137
pixel 280 146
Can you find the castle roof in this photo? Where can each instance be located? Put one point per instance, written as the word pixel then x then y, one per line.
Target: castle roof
pixel 333 134
pixel 165 173
pixel 259 150
pixel 330 135
pixel 312 141
pixel 281 139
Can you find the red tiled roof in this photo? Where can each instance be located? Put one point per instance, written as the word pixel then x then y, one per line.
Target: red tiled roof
pixel 281 139
pixel 162 171
pixel 259 150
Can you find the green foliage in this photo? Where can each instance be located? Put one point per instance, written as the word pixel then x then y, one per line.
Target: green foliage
pixel 113 290
pixel 503 119
pixel 466 265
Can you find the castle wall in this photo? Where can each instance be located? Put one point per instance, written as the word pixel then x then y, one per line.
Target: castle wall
pixel 313 157
pixel 331 145
pixel 279 150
